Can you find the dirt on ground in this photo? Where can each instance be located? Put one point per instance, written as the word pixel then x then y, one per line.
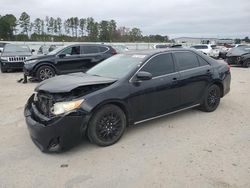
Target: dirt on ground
pixel 190 149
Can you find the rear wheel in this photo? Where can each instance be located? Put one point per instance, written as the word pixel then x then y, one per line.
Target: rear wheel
pixel 211 99
pixel 45 72
pixel 107 125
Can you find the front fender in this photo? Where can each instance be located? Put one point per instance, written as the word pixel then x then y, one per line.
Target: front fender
pixel 47 63
pixel 91 109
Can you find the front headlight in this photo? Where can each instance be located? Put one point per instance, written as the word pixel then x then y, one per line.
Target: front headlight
pixel 29 61
pixel 63 107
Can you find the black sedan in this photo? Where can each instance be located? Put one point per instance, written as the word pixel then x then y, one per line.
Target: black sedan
pixel 123 90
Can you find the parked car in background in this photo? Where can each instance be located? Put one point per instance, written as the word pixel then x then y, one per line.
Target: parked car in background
pixel 13 56
pixel 223 51
pixel 123 90
pixel 208 49
pixel 2 44
pixel 45 49
pixel 67 59
pixel 120 48
pixel 239 56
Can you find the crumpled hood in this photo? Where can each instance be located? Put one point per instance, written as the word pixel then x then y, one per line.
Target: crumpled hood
pixel 66 83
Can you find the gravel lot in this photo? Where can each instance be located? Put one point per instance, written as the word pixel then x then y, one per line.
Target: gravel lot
pixel 188 149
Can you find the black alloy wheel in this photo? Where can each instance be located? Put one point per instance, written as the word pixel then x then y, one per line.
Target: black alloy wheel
pixel 107 125
pixel 211 99
pixel 45 72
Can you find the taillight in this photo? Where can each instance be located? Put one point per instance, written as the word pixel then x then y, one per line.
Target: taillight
pixel 113 51
pixel 229 67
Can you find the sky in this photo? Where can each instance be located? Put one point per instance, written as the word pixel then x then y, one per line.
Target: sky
pixel 175 18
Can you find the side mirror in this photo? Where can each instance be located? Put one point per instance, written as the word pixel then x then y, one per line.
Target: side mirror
pixel 142 75
pixel 0 51
pixel 32 50
pixel 61 55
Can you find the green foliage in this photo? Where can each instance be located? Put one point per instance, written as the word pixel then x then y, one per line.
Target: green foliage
pixel 7 26
pixel 24 23
pixel 246 39
pixel 70 29
pixel 237 41
pixel 104 31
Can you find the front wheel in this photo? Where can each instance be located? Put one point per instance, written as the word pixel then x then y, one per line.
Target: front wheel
pixel 107 125
pixel 3 70
pixel 211 99
pixel 45 72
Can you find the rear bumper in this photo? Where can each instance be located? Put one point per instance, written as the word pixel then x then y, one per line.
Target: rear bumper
pixel 12 65
pixel 54 135
pixel 226 84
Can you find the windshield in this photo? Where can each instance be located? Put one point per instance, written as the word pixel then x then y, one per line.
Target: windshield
pixel 16 48
pixel 55 51
pixel 117 66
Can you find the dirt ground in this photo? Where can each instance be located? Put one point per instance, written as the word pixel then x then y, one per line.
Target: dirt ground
pixel 190 149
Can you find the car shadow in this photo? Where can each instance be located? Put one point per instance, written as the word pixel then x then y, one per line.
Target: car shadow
pixel 86 146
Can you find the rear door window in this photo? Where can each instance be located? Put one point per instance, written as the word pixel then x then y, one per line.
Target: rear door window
pixel 91 49
pixel 160 65
pixel 103 49
pixel 186 60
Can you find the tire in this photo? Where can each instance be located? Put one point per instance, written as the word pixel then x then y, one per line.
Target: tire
pixel 3 70
pixel 45 72
pixel 246 63
pixel 211 99
pixel 107 125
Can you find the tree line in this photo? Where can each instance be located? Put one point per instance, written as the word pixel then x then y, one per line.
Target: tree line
pixel 70 29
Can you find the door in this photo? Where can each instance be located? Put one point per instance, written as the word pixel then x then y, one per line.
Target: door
pixel 94 55
pixel 195 75
pixel 69 60
pixel 158 95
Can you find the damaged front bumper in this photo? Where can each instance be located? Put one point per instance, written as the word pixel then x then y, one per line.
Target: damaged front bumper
pixel 55 134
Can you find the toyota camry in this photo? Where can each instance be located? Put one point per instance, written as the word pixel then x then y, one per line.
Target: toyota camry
pixel 123 90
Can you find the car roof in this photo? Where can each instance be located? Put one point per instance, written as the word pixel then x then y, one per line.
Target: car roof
pixel 86 44
pixel 156 51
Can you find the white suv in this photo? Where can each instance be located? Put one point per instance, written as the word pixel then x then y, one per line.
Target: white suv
pixel 208 49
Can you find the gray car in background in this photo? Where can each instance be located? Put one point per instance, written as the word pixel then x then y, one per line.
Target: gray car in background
pixel 239 56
